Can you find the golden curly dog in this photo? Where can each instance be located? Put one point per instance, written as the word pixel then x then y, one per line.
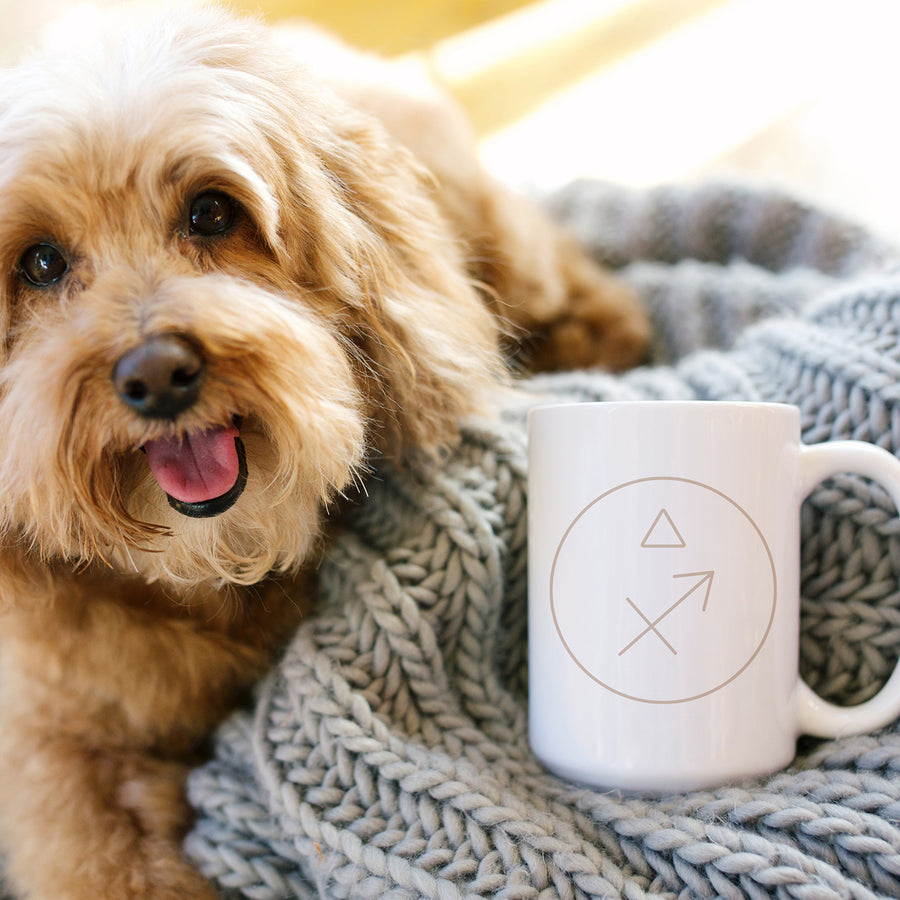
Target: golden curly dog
pixel 238 268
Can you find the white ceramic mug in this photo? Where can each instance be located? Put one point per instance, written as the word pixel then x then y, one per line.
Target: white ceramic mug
pixel 664 550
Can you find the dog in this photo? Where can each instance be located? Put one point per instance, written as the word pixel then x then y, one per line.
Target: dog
pixel 240 267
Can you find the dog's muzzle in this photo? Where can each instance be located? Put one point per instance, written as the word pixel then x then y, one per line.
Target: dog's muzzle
pixel 202 472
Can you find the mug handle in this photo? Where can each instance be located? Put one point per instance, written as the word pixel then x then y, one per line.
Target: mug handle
pixel 816 716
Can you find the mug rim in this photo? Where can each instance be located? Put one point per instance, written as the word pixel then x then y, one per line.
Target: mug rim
pixel 761 406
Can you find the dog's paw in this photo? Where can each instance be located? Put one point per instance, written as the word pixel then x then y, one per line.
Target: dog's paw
pixel 601 325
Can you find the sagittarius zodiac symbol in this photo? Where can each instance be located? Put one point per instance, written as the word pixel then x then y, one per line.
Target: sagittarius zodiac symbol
pixel 706 579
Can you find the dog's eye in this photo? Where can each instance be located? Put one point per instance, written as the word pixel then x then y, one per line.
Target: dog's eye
pixel 43 264
pixel 212 213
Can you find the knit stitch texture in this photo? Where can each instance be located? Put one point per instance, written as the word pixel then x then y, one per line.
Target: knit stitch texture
pixel 387 755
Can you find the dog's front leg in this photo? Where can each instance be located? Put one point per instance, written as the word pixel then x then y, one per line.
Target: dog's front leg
pixel 82 822
pixel 107 688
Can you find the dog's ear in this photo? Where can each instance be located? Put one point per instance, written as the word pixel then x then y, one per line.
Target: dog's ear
pixel 424 345
pixel 359 234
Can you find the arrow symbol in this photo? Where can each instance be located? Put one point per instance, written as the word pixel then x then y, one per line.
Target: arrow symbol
pixel 706 578
pixel 651 626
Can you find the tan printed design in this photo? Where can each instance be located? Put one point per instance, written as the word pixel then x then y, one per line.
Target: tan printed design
pixel 663 627
pixel 662 534
pixel 706 578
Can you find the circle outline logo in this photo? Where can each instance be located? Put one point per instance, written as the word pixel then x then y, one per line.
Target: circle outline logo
pixel 759 534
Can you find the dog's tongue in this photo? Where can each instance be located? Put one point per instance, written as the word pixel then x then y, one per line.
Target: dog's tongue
pixel 195 467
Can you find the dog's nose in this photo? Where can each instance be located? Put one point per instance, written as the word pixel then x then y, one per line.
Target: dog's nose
pixel 159 378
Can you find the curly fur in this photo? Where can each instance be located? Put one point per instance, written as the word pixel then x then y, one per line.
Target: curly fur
pixel 360 306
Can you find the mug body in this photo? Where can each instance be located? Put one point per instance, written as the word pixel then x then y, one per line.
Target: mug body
pixel 663 591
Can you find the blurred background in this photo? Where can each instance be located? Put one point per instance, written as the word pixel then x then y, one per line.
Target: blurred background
pixel 799 93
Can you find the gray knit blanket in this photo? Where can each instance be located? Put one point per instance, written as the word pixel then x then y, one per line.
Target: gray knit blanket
pixel 387 755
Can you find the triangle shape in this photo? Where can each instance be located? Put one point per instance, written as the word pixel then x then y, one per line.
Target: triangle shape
pixel 663 534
